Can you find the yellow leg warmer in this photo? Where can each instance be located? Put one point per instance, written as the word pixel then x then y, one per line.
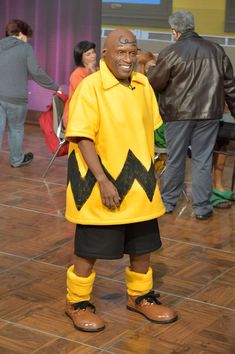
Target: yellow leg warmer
pixel 79 288
pixel 137 283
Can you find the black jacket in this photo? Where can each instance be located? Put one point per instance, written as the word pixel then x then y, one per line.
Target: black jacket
pixel 193 78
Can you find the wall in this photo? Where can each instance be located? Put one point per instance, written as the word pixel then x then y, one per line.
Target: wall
pixel 209 15
pixel 209 19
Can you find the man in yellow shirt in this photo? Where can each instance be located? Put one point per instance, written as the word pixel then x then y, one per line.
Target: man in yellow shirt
pixel 112 195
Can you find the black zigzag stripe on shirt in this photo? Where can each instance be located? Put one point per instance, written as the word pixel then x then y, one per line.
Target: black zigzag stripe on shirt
pixel 132 169
pixel 81 186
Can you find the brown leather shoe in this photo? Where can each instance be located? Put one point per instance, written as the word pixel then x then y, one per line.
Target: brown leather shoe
pixel 83 316
pixel 148 306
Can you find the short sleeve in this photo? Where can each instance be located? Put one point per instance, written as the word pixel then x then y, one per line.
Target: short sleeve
pixel 83 120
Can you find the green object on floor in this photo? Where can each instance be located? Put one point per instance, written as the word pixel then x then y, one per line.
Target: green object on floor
pixel 220 203
pixel 228 194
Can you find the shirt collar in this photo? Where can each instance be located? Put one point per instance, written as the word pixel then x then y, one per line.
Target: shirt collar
pixel 109 80
pixel 188 34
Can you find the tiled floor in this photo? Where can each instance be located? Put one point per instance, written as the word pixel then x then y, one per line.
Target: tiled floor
pixel 194 272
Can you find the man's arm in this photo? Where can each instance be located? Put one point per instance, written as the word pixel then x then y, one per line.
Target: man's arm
pixel 159 75
pixel 37 74
pixel 109 193
pixel 229 85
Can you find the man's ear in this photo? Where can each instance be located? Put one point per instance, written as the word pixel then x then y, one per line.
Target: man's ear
pixel 103 52
pixel 176 34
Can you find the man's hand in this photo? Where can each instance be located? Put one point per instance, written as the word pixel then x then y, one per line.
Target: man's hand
pixel 109 194
pixel 60 90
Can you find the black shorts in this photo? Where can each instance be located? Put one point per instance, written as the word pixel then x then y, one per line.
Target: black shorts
pixel 113 241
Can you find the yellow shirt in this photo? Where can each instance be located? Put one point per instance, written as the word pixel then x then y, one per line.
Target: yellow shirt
pixel 121 122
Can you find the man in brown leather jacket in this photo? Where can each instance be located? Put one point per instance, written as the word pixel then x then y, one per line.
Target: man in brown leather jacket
pixel 193 78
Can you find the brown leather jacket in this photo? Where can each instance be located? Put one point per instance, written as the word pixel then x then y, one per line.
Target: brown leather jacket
pixel 192 79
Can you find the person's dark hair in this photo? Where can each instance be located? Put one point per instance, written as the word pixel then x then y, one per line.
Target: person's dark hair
pixel 79 49
pixel 15 26
pixel 182 21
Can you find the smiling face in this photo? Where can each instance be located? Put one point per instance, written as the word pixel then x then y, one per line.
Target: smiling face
pixel 119 53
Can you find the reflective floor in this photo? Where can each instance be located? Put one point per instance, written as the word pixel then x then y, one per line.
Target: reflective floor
pixel 194 272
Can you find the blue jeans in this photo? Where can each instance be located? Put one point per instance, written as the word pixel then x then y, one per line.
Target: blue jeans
pixel 13 116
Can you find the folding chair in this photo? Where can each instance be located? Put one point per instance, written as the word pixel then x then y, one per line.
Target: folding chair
pixel 58 109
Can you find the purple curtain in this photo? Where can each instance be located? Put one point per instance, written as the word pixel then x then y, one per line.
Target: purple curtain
pixel 57 26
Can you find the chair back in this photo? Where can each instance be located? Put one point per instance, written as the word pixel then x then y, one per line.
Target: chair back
pixel 58 109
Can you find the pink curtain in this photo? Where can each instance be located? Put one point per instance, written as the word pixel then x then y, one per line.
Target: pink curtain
pixel 57 25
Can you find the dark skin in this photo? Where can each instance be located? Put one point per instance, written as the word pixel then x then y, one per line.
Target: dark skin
pixel 119 53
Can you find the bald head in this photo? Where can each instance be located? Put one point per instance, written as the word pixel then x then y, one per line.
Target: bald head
pixel 119 37
pixel 119 52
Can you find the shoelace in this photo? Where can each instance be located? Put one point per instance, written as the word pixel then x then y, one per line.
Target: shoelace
pixel 149 297
pixel 83 305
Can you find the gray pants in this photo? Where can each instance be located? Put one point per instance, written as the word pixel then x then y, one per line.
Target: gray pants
pixel 201 135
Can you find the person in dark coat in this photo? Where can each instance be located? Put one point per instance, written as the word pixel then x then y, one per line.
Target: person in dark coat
pixel 193 78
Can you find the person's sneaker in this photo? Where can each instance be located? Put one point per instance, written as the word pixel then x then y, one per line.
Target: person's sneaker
pixel 204 216
pixel 27 159
pixel 150 307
